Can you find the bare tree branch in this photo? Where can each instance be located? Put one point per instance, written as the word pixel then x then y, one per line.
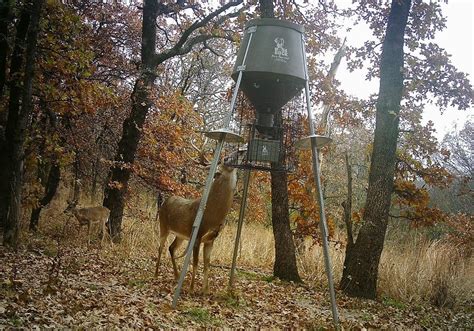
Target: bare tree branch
pixel 210 49
pixel 184 44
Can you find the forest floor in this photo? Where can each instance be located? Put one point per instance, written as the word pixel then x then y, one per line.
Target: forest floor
pixel 79 287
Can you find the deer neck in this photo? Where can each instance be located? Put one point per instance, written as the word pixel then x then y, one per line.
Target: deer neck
pixel 220 197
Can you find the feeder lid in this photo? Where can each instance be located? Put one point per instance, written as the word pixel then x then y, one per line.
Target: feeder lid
pixel 229 136
pixel 305 143
pixel 275 22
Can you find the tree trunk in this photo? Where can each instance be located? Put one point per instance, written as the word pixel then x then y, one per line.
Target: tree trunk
pixel 285 256
pixel 361 265
pixel 97 168
pixel 48 172
pixel 16 65
pixel 285 266
pixel 347 206
pixel 50 190
pixel 267 8
pixel 4 24
pixel 18 116
pixel 115 194
pixel 324 123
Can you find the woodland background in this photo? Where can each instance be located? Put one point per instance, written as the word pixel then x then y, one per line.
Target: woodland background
pixel 81 82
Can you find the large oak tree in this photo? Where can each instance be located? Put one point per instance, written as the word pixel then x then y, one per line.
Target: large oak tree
pixel 362 259
pixel 285 266
pixel 116 192
pixel 19 111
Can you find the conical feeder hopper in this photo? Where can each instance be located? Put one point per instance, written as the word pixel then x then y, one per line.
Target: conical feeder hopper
pixel 274 71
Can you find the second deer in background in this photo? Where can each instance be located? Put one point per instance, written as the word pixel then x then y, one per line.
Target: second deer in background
pixel 89 216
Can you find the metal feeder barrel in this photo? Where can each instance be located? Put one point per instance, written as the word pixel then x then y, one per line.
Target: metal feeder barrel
pixel 274 72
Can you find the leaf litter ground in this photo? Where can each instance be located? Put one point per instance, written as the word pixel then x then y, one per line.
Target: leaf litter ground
pixel 76 287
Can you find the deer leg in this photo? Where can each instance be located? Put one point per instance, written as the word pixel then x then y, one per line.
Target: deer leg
pixel 104 227
pixel 207 259
pixel 195 263
pixel 163 237
pixel 174 245
pixel 89 233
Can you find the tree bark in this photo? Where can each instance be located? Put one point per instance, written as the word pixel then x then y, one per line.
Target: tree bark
pixel 115 195
pixel 97 166
pixel 4 24
pixel 52 184
pixel 18 116
pixel 267 8
pixel 323 125
pixel 347 206
pixel 285 266
pixel 361 265
pixel 49 173
pixel 16 65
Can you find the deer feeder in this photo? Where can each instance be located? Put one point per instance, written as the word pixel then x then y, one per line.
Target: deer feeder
pixel 272 75
pixel 274 72
pixel 270 70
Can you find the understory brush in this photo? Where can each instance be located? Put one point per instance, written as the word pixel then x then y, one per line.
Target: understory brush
pixel 413 269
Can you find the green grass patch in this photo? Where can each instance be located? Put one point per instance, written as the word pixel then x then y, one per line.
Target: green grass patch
pixel 201 316
pixel 138 283
pixel 51 251
pixel 427 321
pixel 93 287
pixel 232 300
pixel 151 306
pixel 366 317
pixel 16 321
pixel 268 279
pixel 255 276
pixel 387 301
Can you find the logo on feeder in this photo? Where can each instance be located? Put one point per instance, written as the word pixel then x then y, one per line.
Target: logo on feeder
pixel 280 53
pixel 264 151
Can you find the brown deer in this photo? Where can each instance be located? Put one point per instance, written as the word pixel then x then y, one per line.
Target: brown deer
pixel 88 216
pixel 177 216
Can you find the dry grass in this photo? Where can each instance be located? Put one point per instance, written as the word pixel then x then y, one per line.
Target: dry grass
pixel 422 270
pixel 311 262
pixel 256 249
pixel 414 270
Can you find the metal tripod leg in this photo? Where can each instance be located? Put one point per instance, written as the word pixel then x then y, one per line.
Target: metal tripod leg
pixel 243 204
pixel 322 216
pixel 317 180
pixel 210 177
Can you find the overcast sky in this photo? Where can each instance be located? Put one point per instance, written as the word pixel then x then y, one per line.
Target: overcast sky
pixel 457 39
